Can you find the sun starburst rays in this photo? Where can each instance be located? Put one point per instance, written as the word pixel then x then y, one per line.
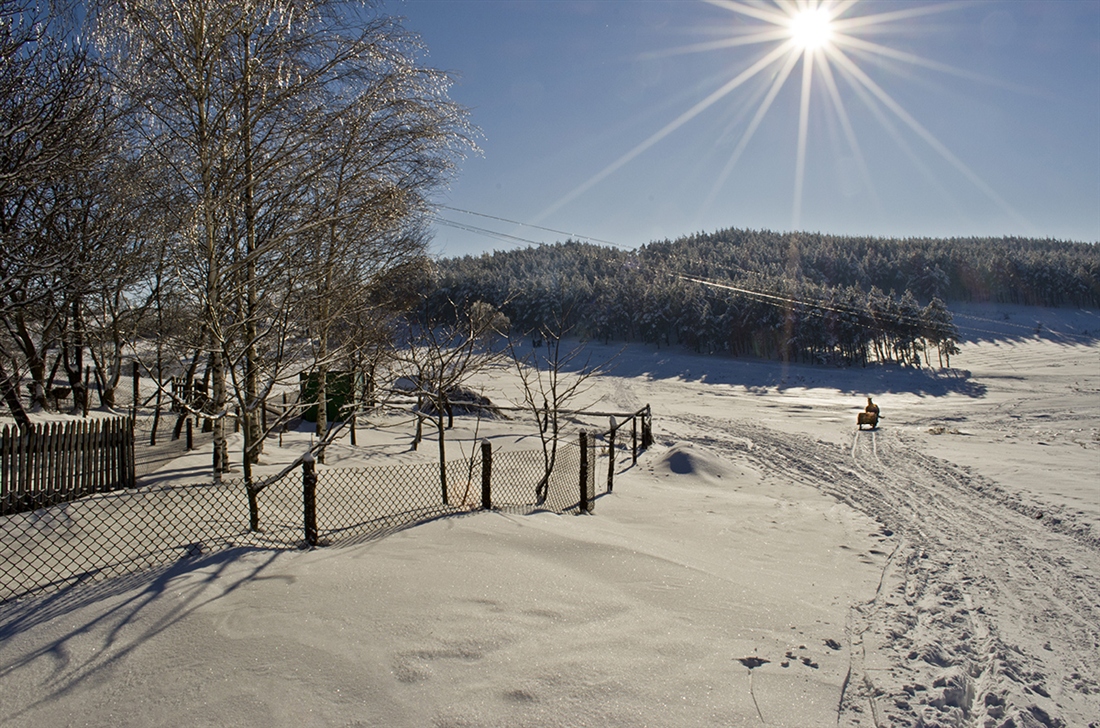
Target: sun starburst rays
pixel 824 35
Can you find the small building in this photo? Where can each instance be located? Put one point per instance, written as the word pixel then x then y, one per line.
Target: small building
pixel 340 391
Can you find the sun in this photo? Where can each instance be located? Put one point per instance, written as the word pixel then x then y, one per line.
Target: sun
pixel 829 39
pixel 811 28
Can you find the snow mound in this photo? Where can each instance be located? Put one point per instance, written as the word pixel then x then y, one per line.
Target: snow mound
pixel 684 459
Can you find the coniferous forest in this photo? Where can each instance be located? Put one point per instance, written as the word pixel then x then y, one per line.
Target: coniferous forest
pixel 793 296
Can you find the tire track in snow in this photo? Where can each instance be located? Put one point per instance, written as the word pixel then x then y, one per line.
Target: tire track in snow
pixel 986 615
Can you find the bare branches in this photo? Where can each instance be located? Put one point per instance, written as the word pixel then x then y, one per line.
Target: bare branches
pixel 295 143
pixel 53 142
pixel 552 380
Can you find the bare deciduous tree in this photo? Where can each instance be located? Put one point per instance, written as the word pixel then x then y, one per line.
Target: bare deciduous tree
pixel 554 374
pixel 51 138
pixel 300 138
pixel 440 359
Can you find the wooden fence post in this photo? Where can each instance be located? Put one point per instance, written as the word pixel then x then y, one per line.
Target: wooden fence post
pixel 190 435
pixel 634 439
pixel 611 455
pixel 309 499
pixel 647 429
pixel 584 471
pixel 486 475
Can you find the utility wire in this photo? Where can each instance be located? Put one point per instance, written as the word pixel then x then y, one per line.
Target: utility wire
pixel 760 295
pixel 504 237
pixel 819 304
pixel 897 317
pixel 536 227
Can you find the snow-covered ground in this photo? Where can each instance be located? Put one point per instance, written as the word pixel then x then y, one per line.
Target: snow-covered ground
pixel 764 563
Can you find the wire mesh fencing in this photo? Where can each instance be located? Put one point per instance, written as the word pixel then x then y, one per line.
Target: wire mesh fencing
pixel 110 534
pixel 162 436
pixel 124 531
pixel 361 503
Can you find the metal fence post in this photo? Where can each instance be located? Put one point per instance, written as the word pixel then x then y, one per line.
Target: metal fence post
pixel 309 499
pixel 584 471
pixel 486 475
pixel 611 455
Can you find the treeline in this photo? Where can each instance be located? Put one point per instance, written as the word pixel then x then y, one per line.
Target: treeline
pixel 797 297
pixel 1000 270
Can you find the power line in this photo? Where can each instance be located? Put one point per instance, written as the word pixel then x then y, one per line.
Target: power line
pixel 1026 327
pixel 504 237
pixel 819 304
pixel 536 227
pixel 879 315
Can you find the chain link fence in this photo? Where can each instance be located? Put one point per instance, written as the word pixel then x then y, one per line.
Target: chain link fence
pixel 121 532
pixel 109 534
pixel 161 438
pixel 116 533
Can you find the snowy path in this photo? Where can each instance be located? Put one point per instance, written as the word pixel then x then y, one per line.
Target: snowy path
pixel 989 608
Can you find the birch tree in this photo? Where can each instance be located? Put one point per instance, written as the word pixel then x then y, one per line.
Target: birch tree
pixel 242 105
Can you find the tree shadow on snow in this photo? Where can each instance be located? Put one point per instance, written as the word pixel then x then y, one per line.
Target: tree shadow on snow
pixel 761 376
pixel 123 600
pixel 1015 323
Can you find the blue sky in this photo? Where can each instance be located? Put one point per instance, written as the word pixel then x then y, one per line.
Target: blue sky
pixel 611 120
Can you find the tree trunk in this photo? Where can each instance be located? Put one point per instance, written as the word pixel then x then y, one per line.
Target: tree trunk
pixel 188 393
pixel 74 359
pixel 15 404
pixel 219 401
pixel 37 367
pixel 252 425
pixel 322 404
pixel 253 508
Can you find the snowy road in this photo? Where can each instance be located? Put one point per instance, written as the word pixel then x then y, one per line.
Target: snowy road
pixel 989 607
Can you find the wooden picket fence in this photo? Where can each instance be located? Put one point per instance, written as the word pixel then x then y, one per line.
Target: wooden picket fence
pixel 61 461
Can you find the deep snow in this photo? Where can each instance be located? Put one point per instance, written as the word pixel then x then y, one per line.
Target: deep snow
pixel 764 563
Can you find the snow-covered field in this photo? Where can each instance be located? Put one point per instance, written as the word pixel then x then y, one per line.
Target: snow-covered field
pixel 764 564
